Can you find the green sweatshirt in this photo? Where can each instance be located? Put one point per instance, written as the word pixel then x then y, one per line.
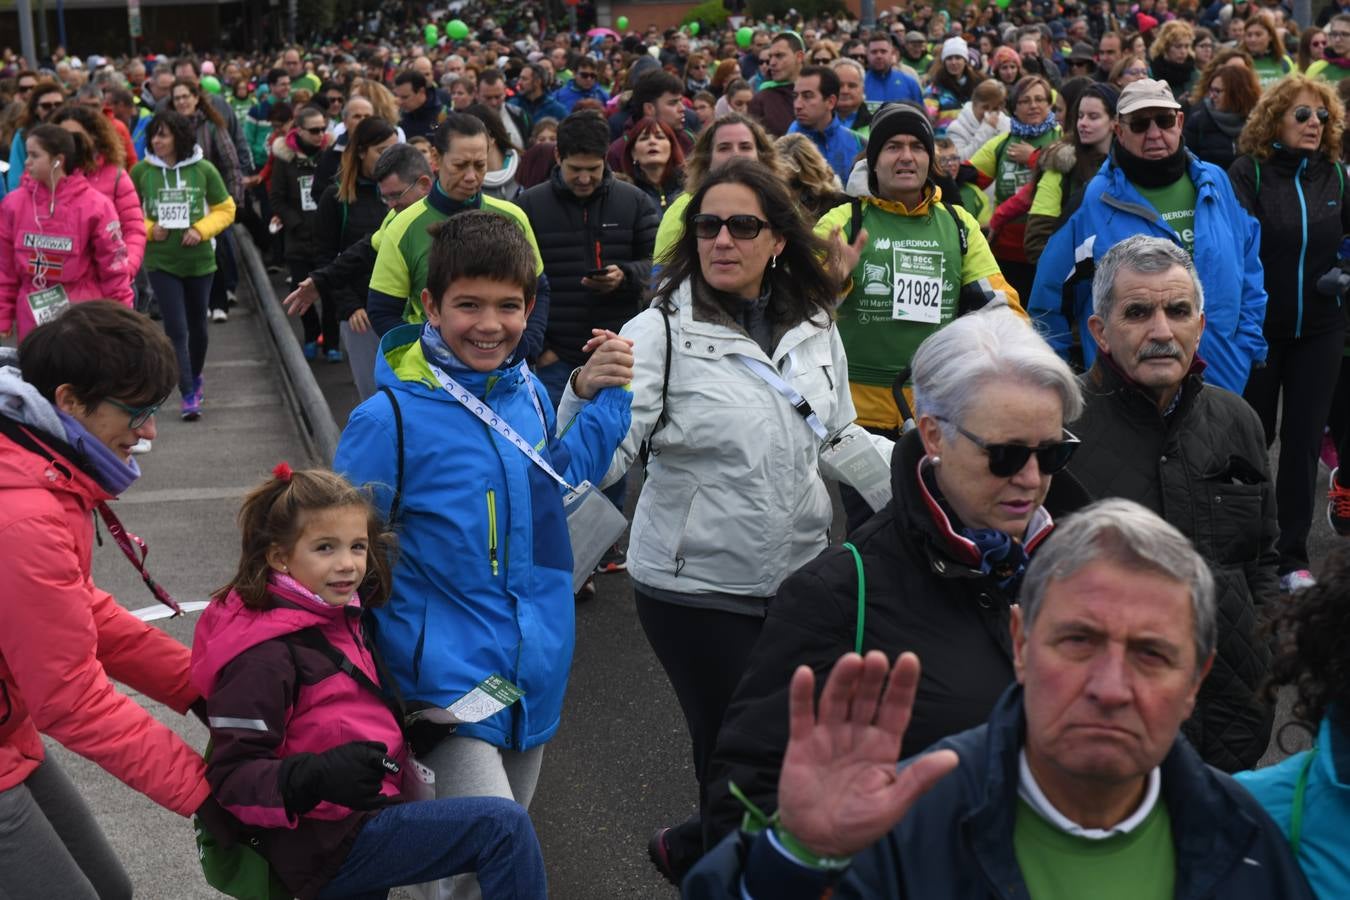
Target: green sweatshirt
pixel 188 194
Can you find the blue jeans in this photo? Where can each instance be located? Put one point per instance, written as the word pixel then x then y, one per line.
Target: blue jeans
pixel 555 377
pixel 424 841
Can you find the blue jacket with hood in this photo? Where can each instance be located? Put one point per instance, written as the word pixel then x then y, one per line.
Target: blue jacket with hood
pixel 482 583
pixel 1227 244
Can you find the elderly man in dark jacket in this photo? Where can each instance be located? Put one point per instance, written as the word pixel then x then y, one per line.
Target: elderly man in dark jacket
pixel 1077 785
pixel 1154 432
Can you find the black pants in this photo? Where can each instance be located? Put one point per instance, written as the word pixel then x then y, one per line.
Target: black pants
pixel 704 653
pixel 1303 371
pixel 310 319
pixel 1020 277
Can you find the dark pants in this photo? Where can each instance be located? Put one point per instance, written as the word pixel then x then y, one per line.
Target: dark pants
pixel 1020 276
pixel 413 843
pixel 182 306
pixel 227 272
pixel 704 653
pixel 1303 371
pixel 310 320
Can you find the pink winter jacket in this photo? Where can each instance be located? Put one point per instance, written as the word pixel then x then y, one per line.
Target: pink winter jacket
pixel 115 184
pixel 75 242
pixel 62 641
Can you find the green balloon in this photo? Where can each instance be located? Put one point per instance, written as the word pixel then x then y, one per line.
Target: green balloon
pixel 1003 4
pixel 211 84
pixel 456 29
pixel 431 34
pixel 622 22
pixel 693 28
pixel 744 35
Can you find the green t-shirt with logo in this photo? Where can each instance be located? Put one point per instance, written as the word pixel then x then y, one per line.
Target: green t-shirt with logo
pixel 1140 865
pixel 1176 204
pixel 1327 71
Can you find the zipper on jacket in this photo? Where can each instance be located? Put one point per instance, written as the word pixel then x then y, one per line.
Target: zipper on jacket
pixel 492 529
pixel 1303 248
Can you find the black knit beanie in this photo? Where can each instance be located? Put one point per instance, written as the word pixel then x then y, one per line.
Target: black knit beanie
pixel 901 117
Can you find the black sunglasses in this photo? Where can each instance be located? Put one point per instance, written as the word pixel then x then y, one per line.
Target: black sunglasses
pixel 1164 120
pixel 1304 113
pixel 48 105
pixel 318 130
pixel 742 227
pixel 335 98
pixel 1006 460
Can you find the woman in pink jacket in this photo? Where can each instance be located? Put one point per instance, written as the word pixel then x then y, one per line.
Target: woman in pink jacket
pixel 74 398
pixel 60 239
pixel 106 170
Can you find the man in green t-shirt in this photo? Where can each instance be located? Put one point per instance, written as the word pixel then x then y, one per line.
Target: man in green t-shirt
pixel 1078 785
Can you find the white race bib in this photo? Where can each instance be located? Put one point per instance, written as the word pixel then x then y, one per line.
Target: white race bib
pixel 175 208
pixel 307 203
pixel 48 304
pixel 916 294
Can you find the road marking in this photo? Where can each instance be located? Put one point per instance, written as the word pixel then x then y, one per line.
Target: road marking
pixel 181 495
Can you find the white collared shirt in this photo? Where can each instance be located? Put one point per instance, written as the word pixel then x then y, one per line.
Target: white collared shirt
pixel 1031 792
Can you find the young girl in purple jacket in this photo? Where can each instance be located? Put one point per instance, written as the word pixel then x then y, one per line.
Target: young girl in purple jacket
pixel 307 754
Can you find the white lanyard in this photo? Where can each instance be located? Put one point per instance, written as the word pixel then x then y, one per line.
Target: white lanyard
pixel 771 377
pixel 485 414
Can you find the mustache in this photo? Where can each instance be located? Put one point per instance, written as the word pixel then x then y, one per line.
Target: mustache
pixel 1159 350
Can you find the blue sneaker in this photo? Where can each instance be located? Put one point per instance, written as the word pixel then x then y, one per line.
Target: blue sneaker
pixel 192 407
pixel 197 389
pixel 310 349
pixel 333 356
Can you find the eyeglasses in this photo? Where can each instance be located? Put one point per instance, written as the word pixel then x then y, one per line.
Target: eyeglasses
pixel 742 227
pixel 1338 34
pixel 1136 72
pixel 390 201
pixel 1164 121
pixel 1034 100
pixel 139 414
pixel 1006 460
pixel 335 98
pixel 1304 113
pixel 26 88
pixel 48 106
pixel 580 75
pixel 858 57
pixel 316 130
pixel 181 98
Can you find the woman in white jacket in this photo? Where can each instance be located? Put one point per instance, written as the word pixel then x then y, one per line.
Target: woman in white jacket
pixel 734 501
pixel 982 119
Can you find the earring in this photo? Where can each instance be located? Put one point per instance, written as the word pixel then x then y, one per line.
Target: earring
pixel 773 263
pixel 937 460
pixel 285 568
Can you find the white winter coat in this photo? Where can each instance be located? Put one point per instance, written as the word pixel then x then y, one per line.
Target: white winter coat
pixel 970 134
pixel 734 501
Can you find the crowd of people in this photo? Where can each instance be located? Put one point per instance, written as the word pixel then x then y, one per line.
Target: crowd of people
pixel 1035 289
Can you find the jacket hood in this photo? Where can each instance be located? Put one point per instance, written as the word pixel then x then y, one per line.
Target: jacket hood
pixel 287 147
pixel 68 188
pixel 401 364
pixel 1059 157
pixel 228 627
pixel 21 402
pixel 195 157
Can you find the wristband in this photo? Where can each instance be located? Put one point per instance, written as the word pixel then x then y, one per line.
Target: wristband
pixel 802 854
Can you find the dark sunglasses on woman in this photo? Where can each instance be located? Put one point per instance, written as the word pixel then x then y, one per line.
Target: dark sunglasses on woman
pixel 742 227
pixel 1304 113
pixel 1006 460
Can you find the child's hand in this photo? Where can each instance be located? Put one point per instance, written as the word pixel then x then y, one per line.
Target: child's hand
pixel 349 774
pixel 610 364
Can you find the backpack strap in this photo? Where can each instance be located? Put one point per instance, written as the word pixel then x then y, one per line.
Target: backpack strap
pixel 1296 809
pixel 1256 163
pixel 855 218
pixel 397 502
pixel 862 597
pixel 960 227
pixel 313 639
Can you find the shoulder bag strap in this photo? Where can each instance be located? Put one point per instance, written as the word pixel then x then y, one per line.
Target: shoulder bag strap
pixel 862 597
pixel 769 375
pixel 645 451
pixel 398 430
pixel 313 639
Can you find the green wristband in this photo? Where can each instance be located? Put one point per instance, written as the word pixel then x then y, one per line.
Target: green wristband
pixel 798 851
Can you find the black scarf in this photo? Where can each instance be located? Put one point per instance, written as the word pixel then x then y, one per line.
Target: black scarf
pixel 1150 173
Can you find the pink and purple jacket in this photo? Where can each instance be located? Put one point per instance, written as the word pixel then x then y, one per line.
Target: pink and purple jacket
pixel 74 240
pixel 115 184
pixel 269 698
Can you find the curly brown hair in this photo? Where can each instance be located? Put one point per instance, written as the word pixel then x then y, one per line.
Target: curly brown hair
pixel 1263 125
pixel 273 516
pixel 1313 653
pixel 107 145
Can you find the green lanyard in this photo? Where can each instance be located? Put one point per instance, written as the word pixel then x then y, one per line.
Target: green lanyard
pixel 862 597
pixel 1296 813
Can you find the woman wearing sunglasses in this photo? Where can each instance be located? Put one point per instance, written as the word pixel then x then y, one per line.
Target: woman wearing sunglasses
pixel 1289 178
pixel 74 399
pixel 734 499
pixel 977 486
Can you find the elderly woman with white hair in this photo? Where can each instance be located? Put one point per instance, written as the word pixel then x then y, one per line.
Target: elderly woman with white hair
pixel 936 571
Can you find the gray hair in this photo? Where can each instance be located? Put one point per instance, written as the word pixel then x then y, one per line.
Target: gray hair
pixel 1123 532
pixel 954 363
pixel 1146 255
pixel 403 160
pixel 851 63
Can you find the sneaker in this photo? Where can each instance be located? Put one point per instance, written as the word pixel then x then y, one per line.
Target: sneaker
pixel 614 560
pixel 310 349
pixel 192 407
pixel 587 591
pixel 1295 581
pixel 333 356
pixel 659 853
pixel 1327 453
pixel 231 298
pixel 219 315
pixel 141 446
pixel 1338 506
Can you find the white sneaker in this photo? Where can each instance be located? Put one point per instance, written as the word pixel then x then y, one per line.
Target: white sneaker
pixel 219 315
pixel 141 446
pixel 1295 581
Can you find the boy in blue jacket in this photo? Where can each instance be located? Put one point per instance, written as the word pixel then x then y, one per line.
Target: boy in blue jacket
pixel 483 582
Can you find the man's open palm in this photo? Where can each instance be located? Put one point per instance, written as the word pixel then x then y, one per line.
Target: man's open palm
pixel 839 791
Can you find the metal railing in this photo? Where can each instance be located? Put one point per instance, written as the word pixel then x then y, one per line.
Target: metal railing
pixel 317 426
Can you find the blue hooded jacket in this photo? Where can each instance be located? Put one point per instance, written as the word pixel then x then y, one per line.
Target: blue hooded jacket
pixel 1227 245
pixel 483 576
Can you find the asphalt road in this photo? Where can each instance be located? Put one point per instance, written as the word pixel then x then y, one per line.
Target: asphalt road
pixel 618 767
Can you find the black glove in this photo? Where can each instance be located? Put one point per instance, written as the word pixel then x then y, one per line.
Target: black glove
pixel 349 774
